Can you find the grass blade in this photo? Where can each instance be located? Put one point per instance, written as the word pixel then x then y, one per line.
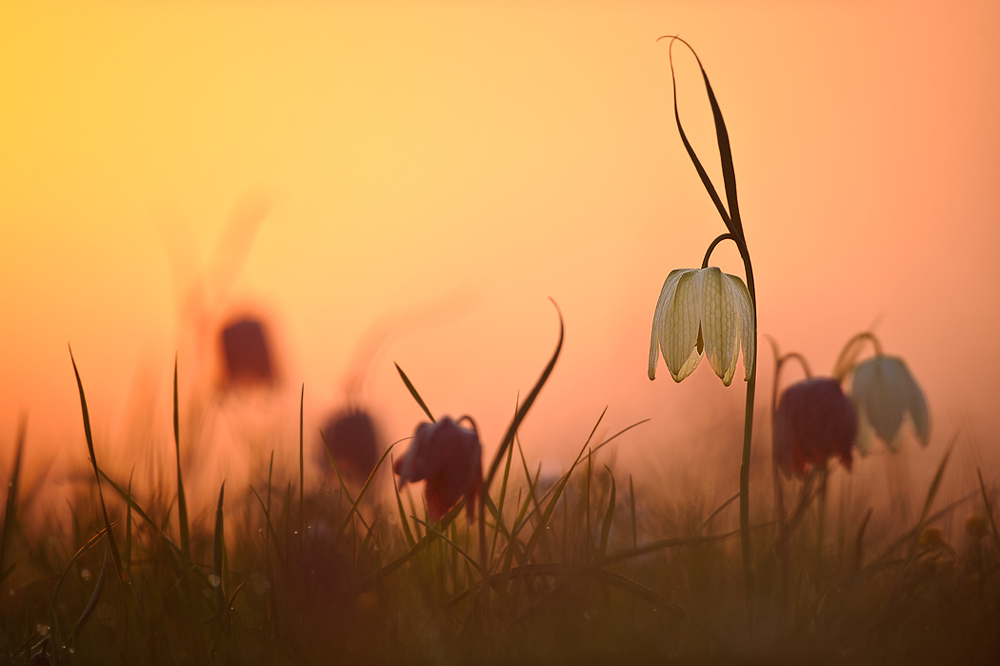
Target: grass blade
pixel 10 512
pixel 935 484
pixel 302 473
pixel 989 510
pixel 413 392
pixel 859 540
pixel 219 555
pixel 608 516
pixel 523 410
pixel 182 513
pixel 115 554
pixel 403 520
pixel 271 536
pixel 95 595
pixel 362 492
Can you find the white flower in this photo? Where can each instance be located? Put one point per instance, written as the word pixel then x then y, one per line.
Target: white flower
pixel 884 392
pixel 700 312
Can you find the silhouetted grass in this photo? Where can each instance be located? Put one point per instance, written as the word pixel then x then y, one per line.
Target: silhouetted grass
pixel 582 568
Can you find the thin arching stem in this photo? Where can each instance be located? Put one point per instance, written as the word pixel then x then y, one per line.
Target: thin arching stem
pixel 708 254
pixel 850 352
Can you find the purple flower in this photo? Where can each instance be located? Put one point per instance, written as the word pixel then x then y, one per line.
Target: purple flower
pixel 246 354
pixel 449 457
pixel 353 442
pixel 815 422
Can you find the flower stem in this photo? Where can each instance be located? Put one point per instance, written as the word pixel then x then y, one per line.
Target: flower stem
pixel 850 353
pixel 747 440
pixel 708 253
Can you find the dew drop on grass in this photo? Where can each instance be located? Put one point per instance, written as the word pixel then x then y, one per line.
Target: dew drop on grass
pixel 214 580
pixel 85 574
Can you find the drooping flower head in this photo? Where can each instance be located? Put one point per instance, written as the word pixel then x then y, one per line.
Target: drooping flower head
pixel 702 312
pixel 885 392
pixel 353 441
pixel 815 421
pixel 246 354
pixel 449 457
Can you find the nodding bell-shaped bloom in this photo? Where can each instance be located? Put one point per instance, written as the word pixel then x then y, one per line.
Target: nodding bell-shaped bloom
pixel 246 354
pixel 449 457
pixel 701 312
pixel 884 392
pixel 815 421
pixel 353 441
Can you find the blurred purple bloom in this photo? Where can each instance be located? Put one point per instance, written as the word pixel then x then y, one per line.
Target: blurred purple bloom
pixel 815 421
pixel 246 354
pixel 353 443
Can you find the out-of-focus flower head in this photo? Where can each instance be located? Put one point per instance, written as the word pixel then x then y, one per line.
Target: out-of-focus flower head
pixel 449 457
pixel 353 443
pixel 246 354
pixel 815 421
pixel 885 392
pixel 702 312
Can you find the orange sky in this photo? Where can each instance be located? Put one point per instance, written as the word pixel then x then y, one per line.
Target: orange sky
pixel 420 158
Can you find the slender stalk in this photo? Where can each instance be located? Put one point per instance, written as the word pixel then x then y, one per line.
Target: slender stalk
pixel 781 545
pixel 821 507
pixel 747 439
pixel 845 361
pixel 302 475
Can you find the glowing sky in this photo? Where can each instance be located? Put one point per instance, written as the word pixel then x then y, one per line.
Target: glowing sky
pixel 448 167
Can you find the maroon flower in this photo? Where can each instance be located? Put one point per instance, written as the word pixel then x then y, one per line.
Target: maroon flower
pixel 353 440
pixel 449 457
pixel 246 354
pixel 815 422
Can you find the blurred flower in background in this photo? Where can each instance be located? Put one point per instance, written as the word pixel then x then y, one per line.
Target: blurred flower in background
pixel 815 421
pixel 885 392
pixel 353 442
pixel 247 360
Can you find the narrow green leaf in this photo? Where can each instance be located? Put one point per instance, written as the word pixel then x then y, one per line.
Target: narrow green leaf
pixel 431 529
pixel 523 410
pixel 364 490
pixel 631 499
pixel 115 554
pixel 935 484
pixel 705 180
pixel 500 501
pixel 94 596
pixel 859 540
pixel 182 513
pixel 732 498
pixel 10 512
pixel 271 534
pixel 403 520
pixel 219 554
pixel 127 557
pixel 302 477
pixel 989 510
pixel 413 392
pixel 608 516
